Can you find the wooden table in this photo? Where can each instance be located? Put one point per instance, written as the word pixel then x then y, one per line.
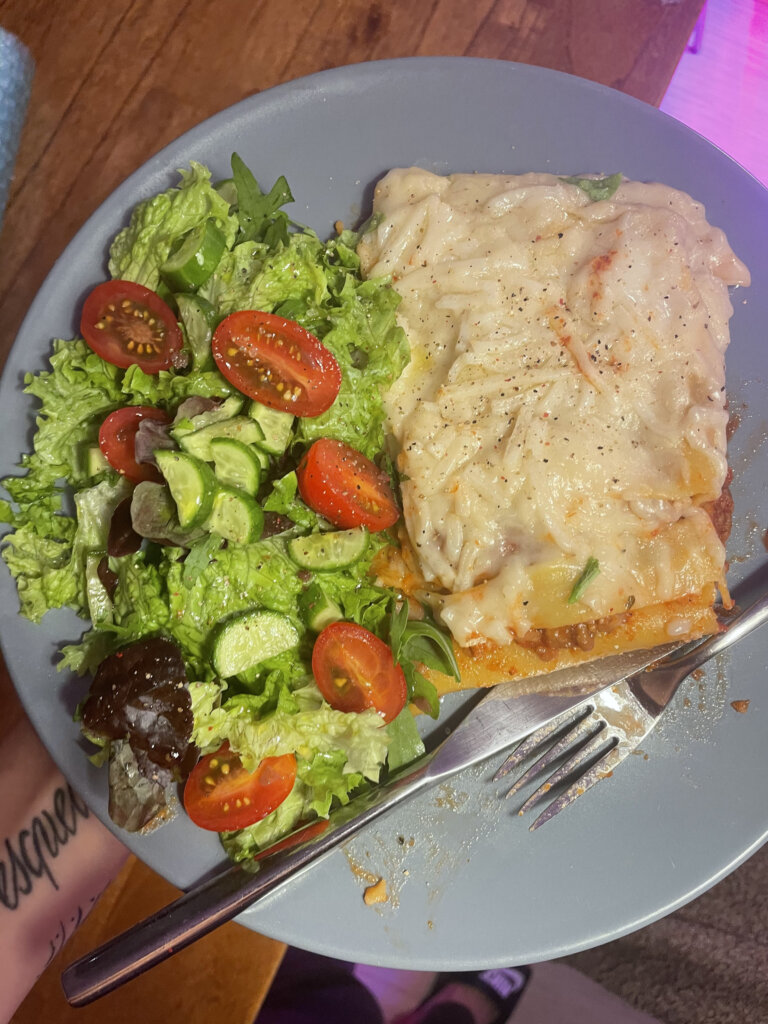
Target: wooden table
pixel 117 81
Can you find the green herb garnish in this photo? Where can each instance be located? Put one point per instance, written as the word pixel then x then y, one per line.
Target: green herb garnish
pixel 420 641
pixel 259 213
pixel 591 569
pixel 596 188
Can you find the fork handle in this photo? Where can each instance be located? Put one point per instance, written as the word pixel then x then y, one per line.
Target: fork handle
pixel 669 673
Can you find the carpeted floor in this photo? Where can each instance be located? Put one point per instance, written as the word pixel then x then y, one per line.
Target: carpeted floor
pixel 705 964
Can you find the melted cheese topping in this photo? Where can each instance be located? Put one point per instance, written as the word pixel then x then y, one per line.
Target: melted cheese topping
pixel 566 394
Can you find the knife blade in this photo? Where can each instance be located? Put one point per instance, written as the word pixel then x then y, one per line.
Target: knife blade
pixel 489 723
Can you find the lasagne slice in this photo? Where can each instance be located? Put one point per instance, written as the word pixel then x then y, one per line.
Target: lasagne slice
pixel 561 428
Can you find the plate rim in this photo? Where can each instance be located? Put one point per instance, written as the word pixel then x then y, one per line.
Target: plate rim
pixel 160 163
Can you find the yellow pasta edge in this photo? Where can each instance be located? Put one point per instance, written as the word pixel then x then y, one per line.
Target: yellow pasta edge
pixel 682 619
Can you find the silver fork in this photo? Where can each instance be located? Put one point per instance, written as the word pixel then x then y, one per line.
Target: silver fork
pixel 598 734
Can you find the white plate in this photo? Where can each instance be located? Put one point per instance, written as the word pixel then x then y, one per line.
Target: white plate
pixel 470 887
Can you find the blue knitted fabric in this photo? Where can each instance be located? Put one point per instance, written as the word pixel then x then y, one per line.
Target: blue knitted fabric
pixel 15 83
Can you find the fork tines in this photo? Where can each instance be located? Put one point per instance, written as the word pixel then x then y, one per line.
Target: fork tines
pixel 584 739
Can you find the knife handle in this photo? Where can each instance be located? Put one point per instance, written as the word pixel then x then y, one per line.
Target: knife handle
pixel 226 895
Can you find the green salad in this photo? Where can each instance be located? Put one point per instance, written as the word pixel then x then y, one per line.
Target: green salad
pixel 210 486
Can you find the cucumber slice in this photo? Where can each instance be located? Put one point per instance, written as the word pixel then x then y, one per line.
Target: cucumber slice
pixel 229 407
pixel 236 464
pixel 95 460
pixel 317 609
pixel 199 318
pixel 325 551
pixel 235 516
pixel 198 443
pixel 196 258
pixel 263 458
pixel 191 483
pixel 276 426
pixel 252 638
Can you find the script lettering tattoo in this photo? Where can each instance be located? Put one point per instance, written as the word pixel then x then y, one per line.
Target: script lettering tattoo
pixel 29 856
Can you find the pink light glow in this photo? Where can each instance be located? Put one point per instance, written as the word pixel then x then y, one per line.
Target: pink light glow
pixel 722 91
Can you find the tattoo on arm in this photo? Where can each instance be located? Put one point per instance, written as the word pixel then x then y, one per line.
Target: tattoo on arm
pixel 27 857
pixel 64 931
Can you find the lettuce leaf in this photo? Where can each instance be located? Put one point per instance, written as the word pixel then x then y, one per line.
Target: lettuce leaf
pixel 283 500
pixel 253 277
pixel 237 578
pixel 47 551
pixel 371 349
pixel 361 736
pixel 75 395
pixel 317 284
pixel 141 248
pixel 40 565
pixel 168 390
pixel 336 752
pixel 406 743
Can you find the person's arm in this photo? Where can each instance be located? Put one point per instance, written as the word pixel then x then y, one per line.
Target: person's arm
pixel 55 859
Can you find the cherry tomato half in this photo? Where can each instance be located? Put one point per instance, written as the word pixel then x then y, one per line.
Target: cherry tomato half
pixel 347 488
pixel 117 437
pixel 354 670
pixel 276 362
pixel 220 795
pixel 126 323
